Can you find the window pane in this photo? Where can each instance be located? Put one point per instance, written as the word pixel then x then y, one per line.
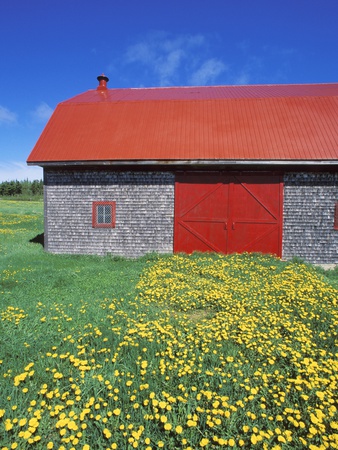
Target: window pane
pixel 100 214
pixel 104 214
pixel 107 214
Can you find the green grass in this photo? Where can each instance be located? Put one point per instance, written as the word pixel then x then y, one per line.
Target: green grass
pixel 179 352
pixel 22 198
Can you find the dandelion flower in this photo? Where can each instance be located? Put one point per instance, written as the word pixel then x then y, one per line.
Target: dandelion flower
pixel 107 433
pixel 253 439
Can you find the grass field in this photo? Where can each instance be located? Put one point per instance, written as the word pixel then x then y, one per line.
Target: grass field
pixel 173 352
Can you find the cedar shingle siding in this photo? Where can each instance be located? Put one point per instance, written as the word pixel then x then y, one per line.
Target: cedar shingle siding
pixel 144 212
pixel 309 203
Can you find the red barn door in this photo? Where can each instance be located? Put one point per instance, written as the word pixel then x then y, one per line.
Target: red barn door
pixel 201 213
pixel 228 213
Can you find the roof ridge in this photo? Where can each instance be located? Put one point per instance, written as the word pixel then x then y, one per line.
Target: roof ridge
pixel 223 85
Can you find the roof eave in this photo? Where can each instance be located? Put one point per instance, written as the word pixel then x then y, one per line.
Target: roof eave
pixel 197 162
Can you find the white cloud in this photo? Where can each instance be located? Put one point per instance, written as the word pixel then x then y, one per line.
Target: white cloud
pixel 18 170
pixel 172 59
pixel 7 116
pixel 141 52
pixel 168 65
pixel 42 112
pixel 168 59
pixel 208 72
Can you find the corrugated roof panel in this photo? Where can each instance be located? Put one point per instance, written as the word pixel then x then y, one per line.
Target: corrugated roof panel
pixel 209 123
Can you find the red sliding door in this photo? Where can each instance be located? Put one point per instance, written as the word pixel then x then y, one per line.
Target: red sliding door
pixel 228 213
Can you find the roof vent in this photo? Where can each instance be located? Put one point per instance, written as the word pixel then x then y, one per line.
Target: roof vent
pixel 103 80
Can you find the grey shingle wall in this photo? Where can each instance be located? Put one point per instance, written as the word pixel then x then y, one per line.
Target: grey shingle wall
pixel 309 200
pixel 144 212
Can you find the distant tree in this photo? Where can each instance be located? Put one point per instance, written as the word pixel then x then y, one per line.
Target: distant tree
pixel 8 188
pixel 37 187
pixel 24 188
pixel 17 188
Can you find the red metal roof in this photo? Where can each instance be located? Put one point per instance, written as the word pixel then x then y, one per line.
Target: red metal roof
pixel 228 123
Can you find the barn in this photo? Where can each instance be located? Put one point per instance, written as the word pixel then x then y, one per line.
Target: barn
pixel 182 169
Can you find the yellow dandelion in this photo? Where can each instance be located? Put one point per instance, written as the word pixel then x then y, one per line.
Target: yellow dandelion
pixel 191 423
pixel 204 442
pixel 8 425
pixel 107 433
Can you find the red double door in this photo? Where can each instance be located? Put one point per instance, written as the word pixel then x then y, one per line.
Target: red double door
pixel 228 213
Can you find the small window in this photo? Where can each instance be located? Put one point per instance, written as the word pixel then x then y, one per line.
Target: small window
pixel 103 214
pixel 335 223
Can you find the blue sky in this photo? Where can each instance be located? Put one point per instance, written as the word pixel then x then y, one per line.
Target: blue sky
pixel 51 50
